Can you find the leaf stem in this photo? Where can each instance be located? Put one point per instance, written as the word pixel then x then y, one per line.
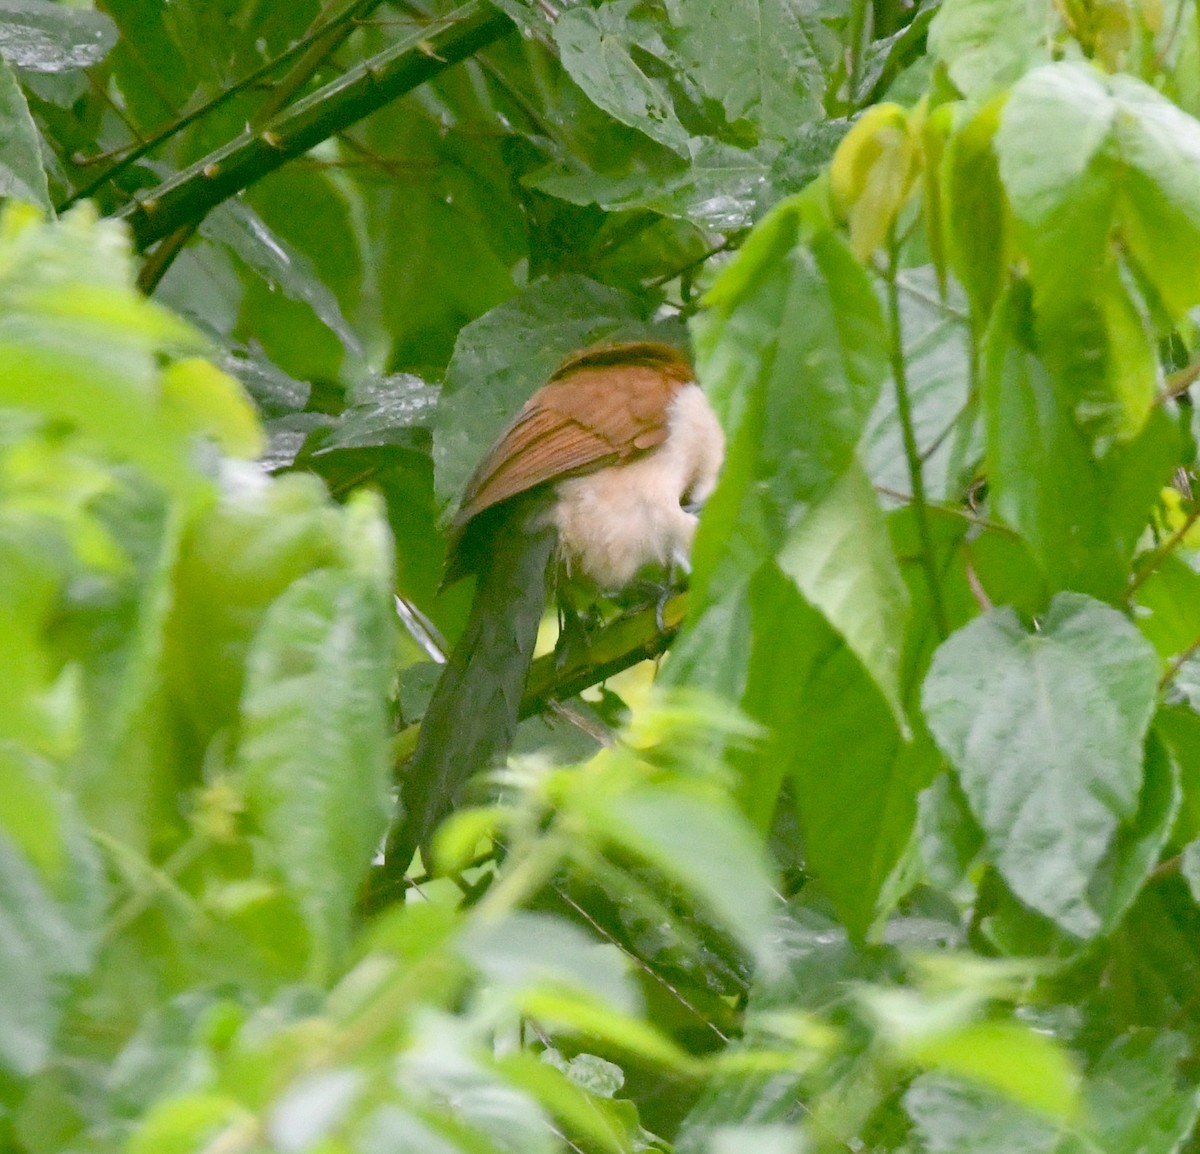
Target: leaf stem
pixel 1178 663
pixel 911 451
pixel 1158 558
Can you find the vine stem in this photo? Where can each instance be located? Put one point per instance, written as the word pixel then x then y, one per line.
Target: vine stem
pixel 1158 558
pixel 911 452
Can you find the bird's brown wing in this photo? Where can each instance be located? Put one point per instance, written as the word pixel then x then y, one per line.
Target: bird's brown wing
pixel 585 421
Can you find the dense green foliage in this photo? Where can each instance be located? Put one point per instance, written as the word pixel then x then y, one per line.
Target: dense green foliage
pixel 902 850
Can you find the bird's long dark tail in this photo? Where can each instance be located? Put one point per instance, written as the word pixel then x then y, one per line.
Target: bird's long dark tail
pixel 472 716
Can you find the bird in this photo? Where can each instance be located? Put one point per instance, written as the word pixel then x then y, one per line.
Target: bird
pixel 598 479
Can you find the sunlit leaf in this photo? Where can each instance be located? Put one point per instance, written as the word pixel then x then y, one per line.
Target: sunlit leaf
pixel 314 748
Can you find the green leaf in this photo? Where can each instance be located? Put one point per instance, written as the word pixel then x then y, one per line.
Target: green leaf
pixel 840 558
pixel 118 629
pixel 1178 726
pixel 792 351
pixel 1009 1057
pixel 22 176
pixel 154 76
pixel 1158 200
pixel 31 811
pixel 236 560
pixel 40 947
pixel 314 747
pixel 205 400
pixel 953 1117
pixel 1046 730
pixel 1189 867
pixel 1168 608
pixel 717 187
pixel 988 44
pixel 1139 844
pixel 282 267
pixel 1036 451
pixel 765 61
pixel 821 708
pixel 975 211
pixel 1055 149
pixel 558 1093
pixel 528 950
pixel 83 346
pixel 710 849
pixel 1138 1097
pixel 385 411
pixel 595 48
pixel 937 352
pixel 39 36
pixel 872 174
pixel 187 1122
pixel 1078 152
pixel 443 1080
pixel 636 1037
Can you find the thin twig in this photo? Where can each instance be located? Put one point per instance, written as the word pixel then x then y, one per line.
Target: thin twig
pixel 639 961
pixel 667 277
pixel 1178 663
pixel 977 590
pixel 324 41
pixel 155 266
pixel 189 195
pixel 933 302
pixel 1159 557
pixel 1179 382
pixel 134 153
pixel 939 440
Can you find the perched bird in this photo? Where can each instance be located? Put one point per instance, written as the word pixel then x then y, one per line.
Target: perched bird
pixel 598 478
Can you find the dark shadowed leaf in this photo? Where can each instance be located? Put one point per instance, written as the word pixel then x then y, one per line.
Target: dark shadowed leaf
pixel 282 268
pixel 719 187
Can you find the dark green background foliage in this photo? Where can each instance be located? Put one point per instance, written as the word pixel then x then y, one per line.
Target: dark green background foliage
pixel 902 853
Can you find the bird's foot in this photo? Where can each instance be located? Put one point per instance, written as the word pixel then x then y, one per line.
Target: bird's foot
pixel 657 593
pixel 575 631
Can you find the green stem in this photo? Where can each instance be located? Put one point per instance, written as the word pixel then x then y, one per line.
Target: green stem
pixel 156 881
pixel 858 28
pixel 911 452
pixel 189 195
pixel 133 155
pixel 1158 558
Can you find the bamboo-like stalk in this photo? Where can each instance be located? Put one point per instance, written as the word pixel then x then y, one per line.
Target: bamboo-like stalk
pixel 188 196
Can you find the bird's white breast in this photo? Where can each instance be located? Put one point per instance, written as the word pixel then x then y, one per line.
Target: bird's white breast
pixel 615 522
